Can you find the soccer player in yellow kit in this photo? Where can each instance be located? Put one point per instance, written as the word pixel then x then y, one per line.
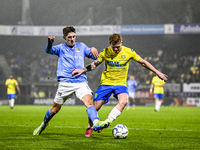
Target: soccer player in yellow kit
pixel 114 77
pixel 11 84
pixel 157 84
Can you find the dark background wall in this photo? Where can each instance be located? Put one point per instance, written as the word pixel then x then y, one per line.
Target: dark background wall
pixel 63 12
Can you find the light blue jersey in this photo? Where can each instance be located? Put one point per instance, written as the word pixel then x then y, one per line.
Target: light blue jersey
pixel 69 59
pixel 131 85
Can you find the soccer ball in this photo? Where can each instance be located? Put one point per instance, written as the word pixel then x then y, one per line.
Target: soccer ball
pixel 120 131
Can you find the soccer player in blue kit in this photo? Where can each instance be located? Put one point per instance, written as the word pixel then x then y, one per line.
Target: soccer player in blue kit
pixel 131 85
pixel 71 56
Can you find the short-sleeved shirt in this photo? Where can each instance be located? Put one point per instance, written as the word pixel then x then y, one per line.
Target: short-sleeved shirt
pixel 157 81
pixel 11 83
pixel 69 59
pixel 116 65
pixel 131 85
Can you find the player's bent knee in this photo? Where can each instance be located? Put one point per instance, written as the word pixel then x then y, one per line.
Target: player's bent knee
pixel 123 103
pixel 55 110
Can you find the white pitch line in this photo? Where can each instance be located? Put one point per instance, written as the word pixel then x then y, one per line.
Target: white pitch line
pixel 180 130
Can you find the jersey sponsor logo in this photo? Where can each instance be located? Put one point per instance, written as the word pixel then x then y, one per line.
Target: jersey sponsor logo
pixel 77 49
pixel 115 64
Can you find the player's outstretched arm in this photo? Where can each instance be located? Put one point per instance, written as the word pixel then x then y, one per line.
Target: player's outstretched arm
pixel 148 66
pixel 49 44
pixel 18 89
pixel 89 67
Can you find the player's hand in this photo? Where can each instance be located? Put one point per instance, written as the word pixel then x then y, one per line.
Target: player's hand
pixel 77 72
pixel 162 76
pixel 94 52
pixel 51 39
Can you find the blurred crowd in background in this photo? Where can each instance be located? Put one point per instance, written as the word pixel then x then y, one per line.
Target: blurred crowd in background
pixel 41 67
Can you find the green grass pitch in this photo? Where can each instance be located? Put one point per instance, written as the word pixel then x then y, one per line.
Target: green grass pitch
pixel 173 128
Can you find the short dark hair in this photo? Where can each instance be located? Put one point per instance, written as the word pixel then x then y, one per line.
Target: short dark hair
pixel 68 29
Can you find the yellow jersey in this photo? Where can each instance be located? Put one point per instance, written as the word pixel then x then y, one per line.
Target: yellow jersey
pixel 11 83
pixel 158 85
pixel 116 65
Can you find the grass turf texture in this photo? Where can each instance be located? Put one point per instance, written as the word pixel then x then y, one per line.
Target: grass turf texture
pixel 170 129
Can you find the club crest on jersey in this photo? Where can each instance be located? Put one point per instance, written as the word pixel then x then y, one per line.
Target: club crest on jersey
pixel 123 57
pixel 59 93
pixel 95 95
pixel 77 49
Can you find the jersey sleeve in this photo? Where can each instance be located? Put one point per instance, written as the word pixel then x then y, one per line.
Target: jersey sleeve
pixel 135 84
pixel 54 50
pixel 153 80
pixel 134 55
pixel 87 51
pixel 101 56
pixel 16 83
pixel 6 83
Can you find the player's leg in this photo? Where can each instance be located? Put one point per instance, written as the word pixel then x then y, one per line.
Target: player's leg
pixel 90 124
pixel 11 100
pixel 12 103
pixel 84 93
pixel 89 128
pixel 158 101
pixel 51 112
pixel 120 93
pixel 133 105
pixel 48 116
pixel 92 113
pixel 158 104
pixel 61 96
pixel 128 104
pixel 117 110
pixel 132 95
pixel 100 97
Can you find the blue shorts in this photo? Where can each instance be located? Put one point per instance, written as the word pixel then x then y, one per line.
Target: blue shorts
pixel 11 96
pixel 156 95
pixel 104 92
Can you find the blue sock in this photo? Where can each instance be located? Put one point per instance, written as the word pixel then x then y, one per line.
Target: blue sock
pixel 92 113
pixel 128 105
pixel 48 116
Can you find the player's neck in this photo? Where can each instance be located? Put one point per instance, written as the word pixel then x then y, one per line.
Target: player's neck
pixel 69 45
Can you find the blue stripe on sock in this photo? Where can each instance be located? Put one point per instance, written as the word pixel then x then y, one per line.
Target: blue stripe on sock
pixel 47 115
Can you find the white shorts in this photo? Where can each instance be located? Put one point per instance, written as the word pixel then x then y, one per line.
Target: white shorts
pixel 132 95
pixel 66 90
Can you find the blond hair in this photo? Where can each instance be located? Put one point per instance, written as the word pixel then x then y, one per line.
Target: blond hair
pixel 115 38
